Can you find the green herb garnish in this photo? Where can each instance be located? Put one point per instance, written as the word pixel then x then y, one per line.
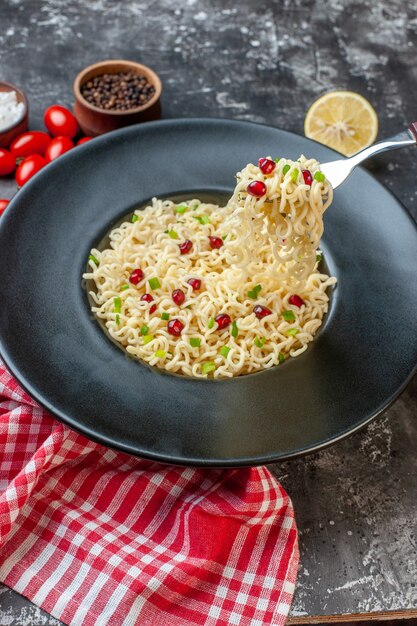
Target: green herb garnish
pixel 117 319
pixel 294 175
pixel 224 351
pixel 320 177
pixel 292 331
pixel 210 323
pixel 259 342
pixel 94 259
pixel 286 169
pixel 160 354
pixel 154 283
pixel 181 208
pixel 165 316
pixel 144 330
pixel 281 357
pixel 173 234
pixel 288 316
pixel 277 160
pixel 117 305
pixel 124 287
pixel 148 338
pixel 224 237
pixel 254 292
pixel 203 219
pixel 207 367
pixel 134 218
pixel 319 257
pixel 234 331
pixel 195 342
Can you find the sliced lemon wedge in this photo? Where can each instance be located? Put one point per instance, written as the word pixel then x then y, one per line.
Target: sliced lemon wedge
pixel 342 120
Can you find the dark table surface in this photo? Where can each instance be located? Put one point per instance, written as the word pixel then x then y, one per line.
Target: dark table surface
pixel 267 61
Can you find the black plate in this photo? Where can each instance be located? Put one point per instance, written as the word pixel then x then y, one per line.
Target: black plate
pixel 359 362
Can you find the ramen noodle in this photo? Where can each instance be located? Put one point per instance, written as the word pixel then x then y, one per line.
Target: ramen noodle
pixel 203 290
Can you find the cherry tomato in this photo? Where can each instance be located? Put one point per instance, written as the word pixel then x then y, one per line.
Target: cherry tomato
pixel 7 162
pixel 33 142
pixel 29 167
pixel 60 121
pixel 58 146
pixel 3 205
pixel 84 140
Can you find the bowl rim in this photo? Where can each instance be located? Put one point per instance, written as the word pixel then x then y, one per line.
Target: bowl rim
pixel 13 87
pixel 153 76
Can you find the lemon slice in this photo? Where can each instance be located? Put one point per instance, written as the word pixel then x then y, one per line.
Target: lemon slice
pixel 342 120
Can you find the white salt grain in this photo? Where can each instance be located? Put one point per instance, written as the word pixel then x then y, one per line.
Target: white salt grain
pixel 10 109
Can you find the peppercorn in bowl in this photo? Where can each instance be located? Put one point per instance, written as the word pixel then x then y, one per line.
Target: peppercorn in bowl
pixel 116 93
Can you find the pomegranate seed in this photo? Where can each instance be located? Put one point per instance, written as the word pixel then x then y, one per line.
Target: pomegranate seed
pixel 186 246
pixel 296 300
pixel 308 178
pixel 261 311
pixel 223 321
pixel 136 276
pixel 178 296
pixel 215 242
pixel 195 283
pixel 175 327
pixel 148 298
pixel 257 188
pixel 266 166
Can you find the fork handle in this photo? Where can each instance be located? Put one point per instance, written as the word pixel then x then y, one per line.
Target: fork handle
pixel 405 138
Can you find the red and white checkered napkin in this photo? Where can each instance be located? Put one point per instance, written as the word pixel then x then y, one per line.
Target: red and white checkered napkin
pixel 100 538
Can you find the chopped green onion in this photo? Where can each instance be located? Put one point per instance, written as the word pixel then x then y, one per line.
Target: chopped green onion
pixel 292 331
pixel 94 259
pixel 117 305
pixel 117 319
pixel 294 175
pixel 154 283
pixel 166 232
pixel 134 218
pixel 144 330
pixel 320 177
pixel 148 338
pixel 181 208
pixel 319 257
pixel 281 357
pixel 234 331
pixel 195 342
pixel 288 316
pixel 173 234
pixel 180 222
pixel 277 160
pixel 165 316
pixel 208 367
pixel 124 287
pixel 224 351
pixel 259 342
pixel 160 354
pixel 224 237
pixel 254 292
pixel 210 323
pixel 286 169
pixel 203 219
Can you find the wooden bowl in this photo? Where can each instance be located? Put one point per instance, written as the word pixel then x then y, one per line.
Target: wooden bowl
pixel 95 121
pixel 21 125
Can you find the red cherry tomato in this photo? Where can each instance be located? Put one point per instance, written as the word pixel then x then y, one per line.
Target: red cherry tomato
pixel 7 162
pixel 3 204
pixel 60 121
pixel 29 167
pixel 84 140
pixel 33 142
pixel 58 146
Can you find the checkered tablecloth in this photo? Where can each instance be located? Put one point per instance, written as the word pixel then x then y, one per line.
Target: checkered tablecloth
pixel 100 538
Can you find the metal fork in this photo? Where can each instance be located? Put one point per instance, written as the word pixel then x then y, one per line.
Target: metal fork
pixel 337 171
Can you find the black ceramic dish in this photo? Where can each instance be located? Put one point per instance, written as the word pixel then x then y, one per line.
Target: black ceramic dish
pixel 358 364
